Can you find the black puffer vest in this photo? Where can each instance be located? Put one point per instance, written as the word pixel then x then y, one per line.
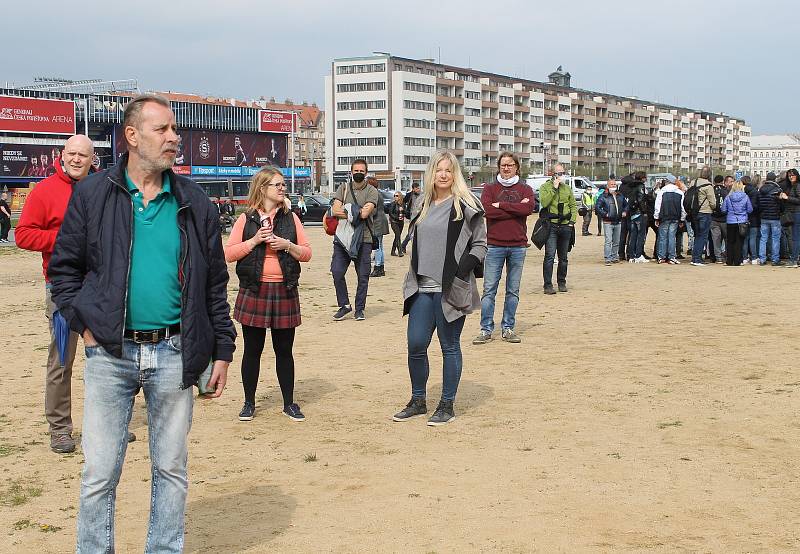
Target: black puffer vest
pixel 249 268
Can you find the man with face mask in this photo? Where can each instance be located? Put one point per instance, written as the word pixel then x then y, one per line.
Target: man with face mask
pixel 611 208
pixel 38 227
pixel 357 193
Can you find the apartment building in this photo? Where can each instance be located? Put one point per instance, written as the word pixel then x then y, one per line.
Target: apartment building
pixel 395 112
pixel 775 153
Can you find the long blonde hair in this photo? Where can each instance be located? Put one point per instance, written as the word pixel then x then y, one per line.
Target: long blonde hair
pixel 737 186
pixel 461 192
pixel 257 197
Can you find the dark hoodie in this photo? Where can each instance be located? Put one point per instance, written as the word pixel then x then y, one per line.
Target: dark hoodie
pixel 752 193
pixel 633 191
pixel 792 204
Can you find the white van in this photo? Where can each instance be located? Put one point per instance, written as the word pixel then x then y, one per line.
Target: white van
pixel 577 184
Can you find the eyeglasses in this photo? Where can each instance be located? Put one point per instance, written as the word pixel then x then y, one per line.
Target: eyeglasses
pixel 277 185
pixel 508 165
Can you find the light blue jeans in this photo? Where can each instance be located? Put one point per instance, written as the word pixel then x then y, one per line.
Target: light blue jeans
pixel 513 257
pixel 665 247
pixel 110 386
pixel 770 231
pixel 611 233
pixel 379 252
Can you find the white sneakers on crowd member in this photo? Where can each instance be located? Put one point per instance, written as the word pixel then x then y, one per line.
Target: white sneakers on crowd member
pixel 642 260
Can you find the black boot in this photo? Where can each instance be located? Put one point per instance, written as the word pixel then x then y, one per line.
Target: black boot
pixel 379 272
pixel 375 271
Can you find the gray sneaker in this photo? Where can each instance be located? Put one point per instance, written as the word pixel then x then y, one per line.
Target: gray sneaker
pixel 482 338
pixel 444 414
pixel 510 336
pixel 416 407
pixel 62 444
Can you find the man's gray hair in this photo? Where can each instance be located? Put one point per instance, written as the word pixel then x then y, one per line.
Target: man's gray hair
pixel 133 111
pixel 705 173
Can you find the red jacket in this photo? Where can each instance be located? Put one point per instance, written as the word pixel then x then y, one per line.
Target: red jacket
pixel 43 213
pixel 506 225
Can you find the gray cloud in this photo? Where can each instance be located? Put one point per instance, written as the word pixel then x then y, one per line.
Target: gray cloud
pixel 729 56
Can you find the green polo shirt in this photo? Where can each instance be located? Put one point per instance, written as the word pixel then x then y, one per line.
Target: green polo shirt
pixel 154 291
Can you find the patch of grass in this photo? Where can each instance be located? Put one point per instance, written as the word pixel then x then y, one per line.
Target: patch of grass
pixel 47 528
pixel 17 495
pixel 21 524
pixel 310 458
pixel 43 527
pixel 413 495
pixel 615 455
pixel 665 424
pixel 9 449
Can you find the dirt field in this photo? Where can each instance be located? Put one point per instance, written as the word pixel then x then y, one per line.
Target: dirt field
pixel 651 408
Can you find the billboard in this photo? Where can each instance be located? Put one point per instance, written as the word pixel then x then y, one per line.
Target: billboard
pixel 35 115
pixel 225 151
pixel 275 122
pixel 36 160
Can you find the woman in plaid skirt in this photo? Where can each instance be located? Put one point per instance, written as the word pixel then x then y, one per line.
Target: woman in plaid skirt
pixel 268 243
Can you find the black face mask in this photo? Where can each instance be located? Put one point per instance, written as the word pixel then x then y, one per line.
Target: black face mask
pixel 358 177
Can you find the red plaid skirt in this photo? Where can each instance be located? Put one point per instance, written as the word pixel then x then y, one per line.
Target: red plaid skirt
pixel 272 307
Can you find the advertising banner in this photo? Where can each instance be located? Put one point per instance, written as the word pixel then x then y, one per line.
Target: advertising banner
pixel 251 149
pixel 275 122
pixel 36 160
pixel 36 115
pixel 203 149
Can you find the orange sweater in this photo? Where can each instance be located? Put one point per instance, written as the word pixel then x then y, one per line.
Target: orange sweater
pixel 235 250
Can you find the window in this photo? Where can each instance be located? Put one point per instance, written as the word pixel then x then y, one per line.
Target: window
pixel 563 122
pixel 362 141
pixel 563 108
pixel 348 160
pixel 472 128
pixel 507 132
pixel 418 87
pixel 363 105
pixel 361 87
pixel 360 123
pixel 415 105
pixel 472 95
pixel 421 160
pixel 361 68
pixel 537 104
pixel 506 99
pixel 475 112
pixel 418 141
pixel 418 123
pixel 564 136
pixel 563 151
pixel 472 145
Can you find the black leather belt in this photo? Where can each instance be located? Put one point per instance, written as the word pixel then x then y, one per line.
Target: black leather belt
pixel 152 335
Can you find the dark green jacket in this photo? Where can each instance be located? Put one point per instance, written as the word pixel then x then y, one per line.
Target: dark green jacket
pixel 550 198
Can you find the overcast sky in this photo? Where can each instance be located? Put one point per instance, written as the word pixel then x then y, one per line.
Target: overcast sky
pixel 731 56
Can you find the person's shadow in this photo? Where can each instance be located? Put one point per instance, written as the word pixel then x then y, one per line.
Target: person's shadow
pixel 238 521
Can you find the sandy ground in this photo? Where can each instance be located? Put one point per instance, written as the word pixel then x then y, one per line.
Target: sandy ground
pixel 652 408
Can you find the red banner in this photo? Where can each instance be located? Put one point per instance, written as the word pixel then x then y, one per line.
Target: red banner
pixel 34 115
pixel 274 122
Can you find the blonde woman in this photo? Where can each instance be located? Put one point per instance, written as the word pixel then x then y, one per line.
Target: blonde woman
pixel 448 247
pixel 268 243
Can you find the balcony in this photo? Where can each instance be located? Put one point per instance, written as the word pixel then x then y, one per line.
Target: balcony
pixel 448 134
pixel 490 120
pixel 449 99
pixel 490 137
pixel 448 82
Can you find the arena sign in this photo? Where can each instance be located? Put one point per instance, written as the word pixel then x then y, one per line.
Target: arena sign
pixel 35 115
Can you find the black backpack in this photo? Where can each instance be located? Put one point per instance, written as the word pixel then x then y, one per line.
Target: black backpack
pixel 691 200
pixel 718 194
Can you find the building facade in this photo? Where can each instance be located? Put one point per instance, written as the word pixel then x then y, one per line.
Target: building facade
pixel 775 153
pixel 395 112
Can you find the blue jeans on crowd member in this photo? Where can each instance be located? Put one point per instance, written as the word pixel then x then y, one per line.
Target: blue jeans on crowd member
pixel 425 315
pixel 513 257
pixel 795 237
pixel 611 245
pixel 703 222
pixel 557 242
pixel 665 248
pixel 110 386
pixel 379 252
pixel 750 244
pixel 340 261
pixel 770 231
pixel 637 232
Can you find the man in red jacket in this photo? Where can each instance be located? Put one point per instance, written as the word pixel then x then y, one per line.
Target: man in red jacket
pixel 37 230
pixel 507 202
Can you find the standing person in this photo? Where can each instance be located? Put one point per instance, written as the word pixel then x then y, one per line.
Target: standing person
pixel 397 216
pixel 268 243
pixel 719 228
pixel 770 212
pixel 301 205
pixel 737 208
pixel 587 202
pixel 139 271
pixel 668 214
pixel 411 202
pixel 507 203
pixel 555 196
pixel 37 229
pixel 634 227
pixel 750 242
pixel 380 227
pixel 791 200
pixel 611 209
pixel 702 223
pixel 5 217
pixel 362 198
pixel 597 195
pixel 439 291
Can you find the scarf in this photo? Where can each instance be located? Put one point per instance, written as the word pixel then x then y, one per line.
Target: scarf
pixel 508 182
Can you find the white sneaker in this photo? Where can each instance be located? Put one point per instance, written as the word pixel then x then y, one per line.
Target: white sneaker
pixel 632 261
pixel 642 260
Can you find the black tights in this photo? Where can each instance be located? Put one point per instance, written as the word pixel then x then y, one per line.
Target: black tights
pixel 282 342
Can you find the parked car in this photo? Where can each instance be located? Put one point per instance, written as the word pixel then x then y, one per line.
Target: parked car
pixel 577 184
pixel 316 206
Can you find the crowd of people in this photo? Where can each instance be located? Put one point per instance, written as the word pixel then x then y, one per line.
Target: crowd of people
pixel 135 265
pixel 724 220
